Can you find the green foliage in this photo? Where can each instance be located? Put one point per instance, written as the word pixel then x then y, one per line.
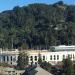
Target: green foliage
pixel 38 26
pixel 22 61
pixel 39 59
pixel 5 64
pixel 47 66
pixel 73 70
pixel 67 66
pixel 59 3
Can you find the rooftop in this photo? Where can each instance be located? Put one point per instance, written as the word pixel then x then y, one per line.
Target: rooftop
pixel 38 71
pixel 63 48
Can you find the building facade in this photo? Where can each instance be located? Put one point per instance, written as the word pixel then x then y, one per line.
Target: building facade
pixel 9 57
pixel 51 57
pixel 54 57
pixel 10 71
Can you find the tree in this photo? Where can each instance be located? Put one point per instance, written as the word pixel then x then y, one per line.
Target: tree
pixel 22 61
pixel 39 59
pixel 39 24
pixel 67 66
pixel 47 66
pixel 24 46
pixel 73 69
pixel 58 3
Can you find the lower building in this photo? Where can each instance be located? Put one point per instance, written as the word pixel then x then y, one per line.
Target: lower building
pixel 36 71
pixel 9 57
pixel 10 71
pixel 51 56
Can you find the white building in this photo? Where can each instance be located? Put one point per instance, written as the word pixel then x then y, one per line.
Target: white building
pixel 9 57
pixel 63 48
pixel 59 53
pixel 56 56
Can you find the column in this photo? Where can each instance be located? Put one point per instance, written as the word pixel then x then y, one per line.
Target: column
pixel 5 58
pixel 9 59
pixel 1 58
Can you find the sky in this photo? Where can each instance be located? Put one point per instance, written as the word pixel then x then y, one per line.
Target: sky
pixel 10 4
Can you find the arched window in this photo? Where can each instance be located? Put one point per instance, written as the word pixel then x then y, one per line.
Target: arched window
pixel 35 58
pixel 31 58
pixel 50 57
pixel 68 55
pixel 63 56
pixel 43 57
pixel 57 57
pixel 73 56
pixel 4 58
pixel 54 57
pixel 11 58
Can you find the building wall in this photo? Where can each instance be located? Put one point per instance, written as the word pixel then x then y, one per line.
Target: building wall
pixel 10 71
pixel 9 57
pixel 51 57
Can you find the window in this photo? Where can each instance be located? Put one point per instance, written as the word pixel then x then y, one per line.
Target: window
pixel 35 58
pixel 57 57
pixel 68 55
pixel 63 56
pixel 31 58
pixel 73 56
pixel 54 57
pixel 51 57
pixel 4 58
pixel 43 57
pixel 11 58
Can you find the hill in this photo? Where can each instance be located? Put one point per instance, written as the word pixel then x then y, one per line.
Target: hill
pixel 38 26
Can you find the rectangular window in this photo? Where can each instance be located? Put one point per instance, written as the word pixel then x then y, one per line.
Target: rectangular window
pixel 68 55
pixel 50 57
pixel 43 57
pixel 73 56
pixel 31 58
pixel 63 56
pixel 54 57
pixel 11 58
pixel 4 58
pixel 35 58
pixel 57 57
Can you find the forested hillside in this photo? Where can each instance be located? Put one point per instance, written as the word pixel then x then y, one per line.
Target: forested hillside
pixel 38 26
